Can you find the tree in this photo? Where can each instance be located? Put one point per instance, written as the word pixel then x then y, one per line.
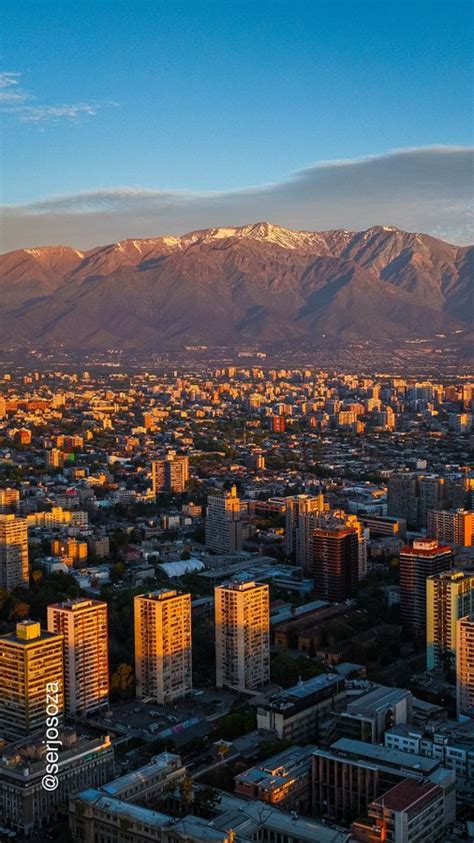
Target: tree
pixel 122 680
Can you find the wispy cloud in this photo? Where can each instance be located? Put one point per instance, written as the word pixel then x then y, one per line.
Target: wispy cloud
pixel 10 90
pixel 426 189
pixel 13 97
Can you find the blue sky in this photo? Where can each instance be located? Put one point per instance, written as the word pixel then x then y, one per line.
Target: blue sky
pixel 218 96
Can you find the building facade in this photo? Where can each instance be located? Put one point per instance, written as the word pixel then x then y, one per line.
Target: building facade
pixel 163 659
pixel 83 625
pixel 423 559
pixel 242 635
pixel 30 661
pixel 223 522
pixel 449 597
pixel 14 570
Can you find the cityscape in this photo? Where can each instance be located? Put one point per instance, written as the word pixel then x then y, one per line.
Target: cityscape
pixel 236 421
pixel 236 603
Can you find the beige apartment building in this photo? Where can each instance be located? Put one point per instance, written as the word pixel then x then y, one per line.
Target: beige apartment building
pixel 242 635
pixel 14 569
pixel 163 659
pixel 83 625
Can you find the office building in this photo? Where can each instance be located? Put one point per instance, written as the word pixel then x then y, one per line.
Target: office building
pixel 305 712
pixel 449 597
pixel 163 661
pixel 451 526
pixel 410 812
pixel 351 774
pixel 83 625
pixel 450 742
pixel 242 635
pixel 30 661
pixel 223 522
pixel 372 711
pixel 335 562
pixel 170 474
pixel 465 666
pixel 423 559
pixel 14 569
pixel 26 806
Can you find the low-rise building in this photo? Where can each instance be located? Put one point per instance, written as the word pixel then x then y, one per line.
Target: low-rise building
pixel 301 713
pixel 283 779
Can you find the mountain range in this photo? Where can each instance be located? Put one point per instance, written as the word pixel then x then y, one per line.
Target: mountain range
pixel 258 283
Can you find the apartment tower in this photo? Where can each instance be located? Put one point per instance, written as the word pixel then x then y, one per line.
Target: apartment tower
pixel 242 635
pixel 163 660
pixel 30 660
pixel 13 552
pixel 83 625
pixel 449 597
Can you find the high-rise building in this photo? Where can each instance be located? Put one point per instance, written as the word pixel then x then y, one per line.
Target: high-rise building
pixel 242 635
pixel 299 525
pixel 423 559
pixel 83 624
pixel 13 552
pixel 163 660
pixel 30 661
pixel 9 501
pixel 223 522
pixel 170 474
pixel 335 562
pixel 451 526
pixel 449 597
pixel 465 666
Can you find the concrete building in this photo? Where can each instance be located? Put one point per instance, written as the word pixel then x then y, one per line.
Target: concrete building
pixel 373 711
pixel 465 666
pixel 305 712
pixel 451 743
pixel 352 774
pixel 163 660
pixel 14 569
pixel 423 559
pixel 449 597
pixel 298 526
pixel 335 562
pixel 242 635
pixel 9 501
pixel 170 474
pixel 223 522
pixel 283 780
pixel 410 812
pixel 31 660
pixel 83 624
pixel 451 526
pixel 26 806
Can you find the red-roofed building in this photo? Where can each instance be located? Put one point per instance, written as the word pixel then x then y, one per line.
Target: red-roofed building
pixel 410 812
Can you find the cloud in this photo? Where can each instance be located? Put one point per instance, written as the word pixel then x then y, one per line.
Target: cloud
pixel 9 90
pixel 426 189
pixel 12 97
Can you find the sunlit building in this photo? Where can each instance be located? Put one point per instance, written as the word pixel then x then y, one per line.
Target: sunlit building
pixel 170 474
pixel 163 659
pixel 223 522
pixel 83 624
pixel 242 635
pixel 299 525
pixel 9 501
pixel 13 552
pixel 449 597
pixel 451 526
pixel 30 660
pixel 465 666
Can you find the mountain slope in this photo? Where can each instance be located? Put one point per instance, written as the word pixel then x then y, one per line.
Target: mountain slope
pixel 221 286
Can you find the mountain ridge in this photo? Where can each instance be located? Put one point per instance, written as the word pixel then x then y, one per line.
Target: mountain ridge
pixel 260 281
